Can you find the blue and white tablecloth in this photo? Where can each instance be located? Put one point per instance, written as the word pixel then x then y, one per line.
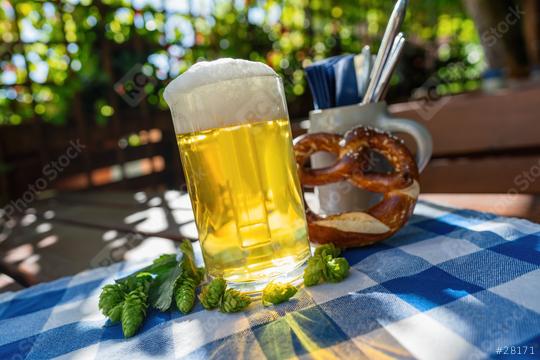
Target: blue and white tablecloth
pixel 452 284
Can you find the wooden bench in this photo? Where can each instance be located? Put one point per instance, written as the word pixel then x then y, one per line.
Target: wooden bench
pixel 482 143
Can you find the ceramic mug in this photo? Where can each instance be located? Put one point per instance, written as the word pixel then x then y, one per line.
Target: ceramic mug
pixel 342 196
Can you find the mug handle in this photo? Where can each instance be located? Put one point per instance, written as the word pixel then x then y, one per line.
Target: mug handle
pixel 420 134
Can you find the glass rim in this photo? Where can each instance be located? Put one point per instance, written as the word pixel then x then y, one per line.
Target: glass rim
pixel 182 93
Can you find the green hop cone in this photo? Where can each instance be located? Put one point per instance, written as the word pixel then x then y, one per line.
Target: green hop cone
pixel 327 250
pixel 135 281
pixel 234 301
pixel 185 294
pixel 276 293
pixel 314 271
pixel 134 310
pixel 111 296
pixel 337 269
pixel 211 294
pixel 116 312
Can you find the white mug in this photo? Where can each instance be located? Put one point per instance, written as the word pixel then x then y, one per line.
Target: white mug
pixel 341 197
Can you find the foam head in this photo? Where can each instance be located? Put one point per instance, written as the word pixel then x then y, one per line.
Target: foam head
pixel 225 92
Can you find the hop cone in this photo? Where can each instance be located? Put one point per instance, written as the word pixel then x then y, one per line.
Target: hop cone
pixel 314 271
pixel 336 269
pixel 185 294
pixel 276 293
pixel 327 250
pixel 234 301
pixel 111 296
pixel 134 310
pixel 116 312
pixel 211 294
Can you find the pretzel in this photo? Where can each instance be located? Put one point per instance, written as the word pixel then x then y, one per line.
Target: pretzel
pixel 400 187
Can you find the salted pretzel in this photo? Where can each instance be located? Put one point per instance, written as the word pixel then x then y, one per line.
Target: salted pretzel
pixel 400 187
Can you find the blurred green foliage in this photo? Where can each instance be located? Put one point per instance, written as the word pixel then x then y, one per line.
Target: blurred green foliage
pixel 51 50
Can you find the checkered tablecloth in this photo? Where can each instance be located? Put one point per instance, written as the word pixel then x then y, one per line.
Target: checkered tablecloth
pixel 452 284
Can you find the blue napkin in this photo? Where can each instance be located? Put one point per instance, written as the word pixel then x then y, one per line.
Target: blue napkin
pixel 346 85
pixel 333 82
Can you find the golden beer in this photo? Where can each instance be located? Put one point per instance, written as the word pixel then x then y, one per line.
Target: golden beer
pixel 243 184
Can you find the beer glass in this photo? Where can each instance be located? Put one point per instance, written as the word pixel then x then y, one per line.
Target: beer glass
pixel 234 137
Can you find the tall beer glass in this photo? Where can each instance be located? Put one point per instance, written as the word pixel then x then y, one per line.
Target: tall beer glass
pixel 233 132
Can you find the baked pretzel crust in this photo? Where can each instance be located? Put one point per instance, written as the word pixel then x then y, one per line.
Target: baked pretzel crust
pixel 400 188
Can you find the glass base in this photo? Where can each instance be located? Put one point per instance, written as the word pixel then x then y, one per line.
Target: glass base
pixel 254 289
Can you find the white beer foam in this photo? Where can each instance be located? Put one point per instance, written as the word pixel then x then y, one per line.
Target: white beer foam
pixel 224 92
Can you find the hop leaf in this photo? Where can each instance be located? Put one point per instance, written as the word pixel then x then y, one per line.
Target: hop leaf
pixel 211 294
pixel 233 301
pixel 200 274
pixel 134 310
pixel 162 292
pixel 327 250
pixel 336 269
pixel 276 293
pixel 111 296
pixel 164 259
pixel 185 294
pixel 314 271
pixel 159 266
pixel 188 259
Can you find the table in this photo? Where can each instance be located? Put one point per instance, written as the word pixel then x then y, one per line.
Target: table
pixel 66 233
pixel 452 284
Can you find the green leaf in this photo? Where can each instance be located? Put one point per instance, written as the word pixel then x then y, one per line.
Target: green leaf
pixel 159 266
pixel 189 259
pixel 200 273
pixel 161 293
pixel 164 260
